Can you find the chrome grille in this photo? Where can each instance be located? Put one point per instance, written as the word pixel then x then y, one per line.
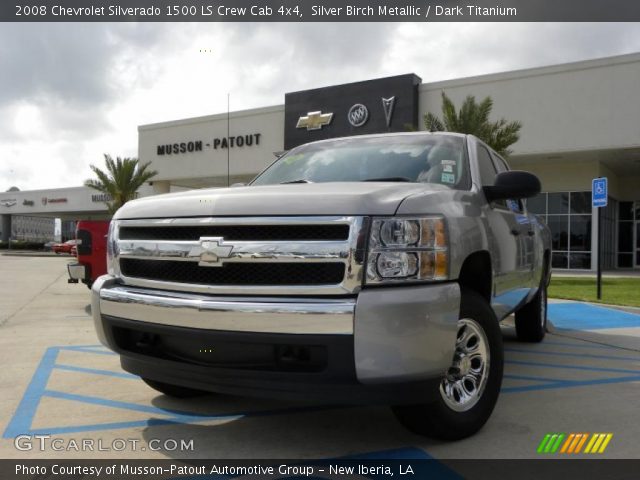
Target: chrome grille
pixel 239 232
pixel 235 273
pixel 267 255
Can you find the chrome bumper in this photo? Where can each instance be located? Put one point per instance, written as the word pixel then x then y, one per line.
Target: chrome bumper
pixel 400 334
pixel 260 315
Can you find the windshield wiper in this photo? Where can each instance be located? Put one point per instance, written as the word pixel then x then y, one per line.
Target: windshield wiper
pixel 388 179
pixel 301 180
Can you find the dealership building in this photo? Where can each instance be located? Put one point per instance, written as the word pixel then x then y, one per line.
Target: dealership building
pixel 580 121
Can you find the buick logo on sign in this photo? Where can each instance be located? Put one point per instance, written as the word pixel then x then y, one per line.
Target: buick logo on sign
pixel 358 115
pixel 212 251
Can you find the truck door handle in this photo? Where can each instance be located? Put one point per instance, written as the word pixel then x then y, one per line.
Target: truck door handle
pixel 515 231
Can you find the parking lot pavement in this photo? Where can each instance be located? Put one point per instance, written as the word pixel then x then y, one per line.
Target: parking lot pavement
pixel 58 381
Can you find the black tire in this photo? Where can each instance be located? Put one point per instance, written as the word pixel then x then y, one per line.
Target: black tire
pixel 440 420
pixel 175 391
pixel 531 319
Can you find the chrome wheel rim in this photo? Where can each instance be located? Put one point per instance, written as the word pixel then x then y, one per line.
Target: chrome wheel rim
pixel 466 379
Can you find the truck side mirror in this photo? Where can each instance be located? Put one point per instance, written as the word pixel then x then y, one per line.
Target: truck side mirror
pixel 513 184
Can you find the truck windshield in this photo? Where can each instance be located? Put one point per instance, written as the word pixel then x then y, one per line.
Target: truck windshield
pixel 424 158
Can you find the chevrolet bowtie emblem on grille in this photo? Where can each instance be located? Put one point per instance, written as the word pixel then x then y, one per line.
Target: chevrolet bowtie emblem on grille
pixel 212 251
pixel 314 120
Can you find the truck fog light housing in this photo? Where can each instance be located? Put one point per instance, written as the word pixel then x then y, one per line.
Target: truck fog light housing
pixel 407 249
pixel 397 264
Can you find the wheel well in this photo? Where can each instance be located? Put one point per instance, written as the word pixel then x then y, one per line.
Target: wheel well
pixel 475 274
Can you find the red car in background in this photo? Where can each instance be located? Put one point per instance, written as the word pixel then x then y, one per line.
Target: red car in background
pixel 65 247
pixel 91 246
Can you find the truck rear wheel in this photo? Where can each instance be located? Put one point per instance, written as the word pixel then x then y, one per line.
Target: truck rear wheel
pixel 470 388
pixel 175 391
pixel 531 320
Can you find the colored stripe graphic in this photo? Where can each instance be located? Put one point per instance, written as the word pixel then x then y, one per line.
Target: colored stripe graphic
pixel 573 443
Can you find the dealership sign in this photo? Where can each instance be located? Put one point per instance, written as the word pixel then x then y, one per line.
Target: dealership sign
pixel 8 202
pixel 46 200
pixel 191 146
pixel 101 197
pixel 374 106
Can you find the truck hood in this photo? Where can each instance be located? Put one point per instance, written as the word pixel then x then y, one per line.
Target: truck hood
pixel 335 198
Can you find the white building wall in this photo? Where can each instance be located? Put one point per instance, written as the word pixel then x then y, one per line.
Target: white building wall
pixel 209 166
pixel 591 105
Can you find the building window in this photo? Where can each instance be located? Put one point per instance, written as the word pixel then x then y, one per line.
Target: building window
pixel 627 216
pixel 568 215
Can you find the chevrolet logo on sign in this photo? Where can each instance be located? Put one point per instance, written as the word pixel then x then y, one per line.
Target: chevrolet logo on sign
pixel 314 120
pixel 212 251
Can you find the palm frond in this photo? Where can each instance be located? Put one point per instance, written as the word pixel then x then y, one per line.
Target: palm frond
pixel 121 180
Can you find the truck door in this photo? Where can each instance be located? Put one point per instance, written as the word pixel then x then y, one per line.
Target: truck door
pixel 527 231
pixel 508 239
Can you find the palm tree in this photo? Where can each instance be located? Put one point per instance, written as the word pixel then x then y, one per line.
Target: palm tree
pixel 473 118
pixel 121 180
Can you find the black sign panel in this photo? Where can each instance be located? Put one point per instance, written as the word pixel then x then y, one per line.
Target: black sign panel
pixel 373 106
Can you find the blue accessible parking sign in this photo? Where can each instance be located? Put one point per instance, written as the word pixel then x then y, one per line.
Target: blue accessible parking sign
pixel 599 192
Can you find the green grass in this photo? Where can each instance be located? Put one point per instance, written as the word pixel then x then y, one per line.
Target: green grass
pixel 615 291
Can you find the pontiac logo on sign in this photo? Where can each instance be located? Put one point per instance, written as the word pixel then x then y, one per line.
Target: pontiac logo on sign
pixel 212 251
pixel 314 120
pixel 387 106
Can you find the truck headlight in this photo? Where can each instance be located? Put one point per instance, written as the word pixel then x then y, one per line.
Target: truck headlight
pixel 402 249
pixel 113 267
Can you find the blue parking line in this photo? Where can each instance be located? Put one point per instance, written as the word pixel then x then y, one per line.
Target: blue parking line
pixel 22 418
pixel 584 316
pixel 579 345
pixel 119 404
pixel 98 349
pixel 95 371
pixel 533 379
pixel 567 354
pixel 573 367
pixel 572 383
pixel 96 427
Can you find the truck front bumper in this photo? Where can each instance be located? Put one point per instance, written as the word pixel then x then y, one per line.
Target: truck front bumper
pixel 383 345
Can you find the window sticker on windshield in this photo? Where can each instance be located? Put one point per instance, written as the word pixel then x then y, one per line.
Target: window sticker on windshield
pixel 448 178
pixel 292 158
pixel 447 168
pixel 447 162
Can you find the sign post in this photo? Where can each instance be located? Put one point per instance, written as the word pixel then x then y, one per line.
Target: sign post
pixel 599 197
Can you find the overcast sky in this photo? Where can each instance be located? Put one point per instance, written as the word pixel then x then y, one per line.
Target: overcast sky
pixel 71 92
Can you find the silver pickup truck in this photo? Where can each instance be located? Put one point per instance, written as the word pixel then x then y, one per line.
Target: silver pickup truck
pixel 369 269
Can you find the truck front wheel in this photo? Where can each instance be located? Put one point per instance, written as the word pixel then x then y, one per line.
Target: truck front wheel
pixel 175 391
pixel 469 390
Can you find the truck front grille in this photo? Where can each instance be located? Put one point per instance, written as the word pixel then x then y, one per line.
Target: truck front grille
pixel 261 255
pixel 235 273
pixel 239 232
